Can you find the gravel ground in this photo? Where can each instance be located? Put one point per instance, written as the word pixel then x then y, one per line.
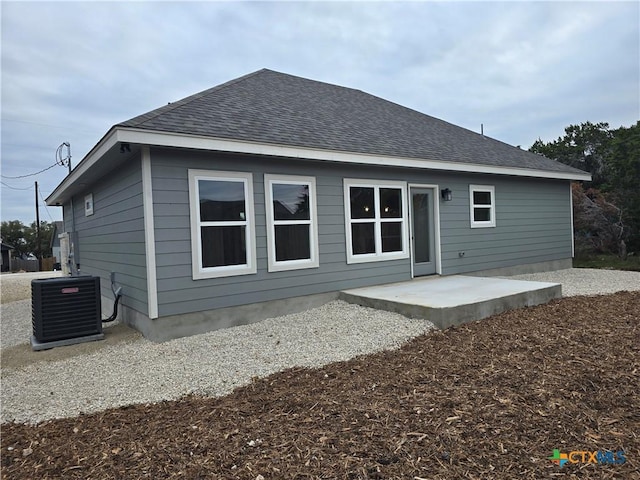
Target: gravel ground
pixel 15 323
pixel 210 364
pixel 17 286
pixel 139 371
pixel 587 281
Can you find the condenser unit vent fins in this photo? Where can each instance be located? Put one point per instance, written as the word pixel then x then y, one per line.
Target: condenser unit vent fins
pixel 66 308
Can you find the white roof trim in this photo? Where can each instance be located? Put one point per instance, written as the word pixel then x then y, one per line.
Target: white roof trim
pixel 105 144
pixel 168 139
pixel 149 235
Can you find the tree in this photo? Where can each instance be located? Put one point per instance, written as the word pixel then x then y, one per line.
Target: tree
pixel 624 178
pixel 12 233
pixel 24 238
pixel 30 236
pixel 585 146
pixel 598 224
pixel 612 157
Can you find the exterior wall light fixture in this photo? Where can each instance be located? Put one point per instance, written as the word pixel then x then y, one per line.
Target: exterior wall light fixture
pixel 446 195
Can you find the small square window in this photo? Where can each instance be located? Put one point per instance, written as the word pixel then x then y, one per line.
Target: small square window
pixel 482 198
pixel 391 236
pixel 482 206
pixel 363 238
pixel 390 203
pixel 292 242
pixel 362 202
pixel 88 204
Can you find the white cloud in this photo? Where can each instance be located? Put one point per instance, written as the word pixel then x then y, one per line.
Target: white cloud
pixel 524 69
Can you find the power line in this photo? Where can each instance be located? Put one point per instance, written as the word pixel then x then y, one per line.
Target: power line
pixel 29 174
pixel 14 188
pixel 66 160
pixel 45 205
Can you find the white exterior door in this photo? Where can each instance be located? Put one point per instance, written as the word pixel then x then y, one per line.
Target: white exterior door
pixel 423 231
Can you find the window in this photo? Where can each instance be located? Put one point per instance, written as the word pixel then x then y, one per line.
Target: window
pixel 482 206
pixel 376 220
pixel 292 227
pixel 88 205
pixel 222 223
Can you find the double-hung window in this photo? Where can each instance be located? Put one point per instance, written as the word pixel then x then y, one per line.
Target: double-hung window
pixel 376 220
pixel 292 226
pixel 222 223
pixel 482 207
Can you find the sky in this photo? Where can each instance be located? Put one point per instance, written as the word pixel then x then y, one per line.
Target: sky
pixel 523 69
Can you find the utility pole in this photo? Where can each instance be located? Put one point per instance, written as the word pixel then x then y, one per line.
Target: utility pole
pixel 61 161
pixel 38 249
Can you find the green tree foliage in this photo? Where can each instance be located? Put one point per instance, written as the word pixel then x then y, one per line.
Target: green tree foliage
pixel 24 238
pixel 612 157
pixel 44 247
pixel 12 233
pixel 624 179
pixel 585 146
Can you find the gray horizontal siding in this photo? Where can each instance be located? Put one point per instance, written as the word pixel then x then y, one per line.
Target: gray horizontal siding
pixel 235 295
pixel 179 293
pixel 112 239
pixel 532 226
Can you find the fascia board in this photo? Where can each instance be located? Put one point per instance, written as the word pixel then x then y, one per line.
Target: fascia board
pixel 168 139
pixel 107 142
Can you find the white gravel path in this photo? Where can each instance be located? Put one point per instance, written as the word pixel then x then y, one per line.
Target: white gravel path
pixel 15 323
pixel 217 362
pixel 210 364
pixel 587 281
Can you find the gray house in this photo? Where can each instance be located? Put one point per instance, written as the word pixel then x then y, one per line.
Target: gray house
pixel 5 259
pixel 272 192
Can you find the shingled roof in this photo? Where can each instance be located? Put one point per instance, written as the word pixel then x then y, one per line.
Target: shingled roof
pixel 279 109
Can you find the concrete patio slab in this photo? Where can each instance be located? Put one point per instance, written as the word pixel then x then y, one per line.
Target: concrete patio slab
pixel 455 299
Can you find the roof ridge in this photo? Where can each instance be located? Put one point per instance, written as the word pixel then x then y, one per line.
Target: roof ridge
pixel 186 100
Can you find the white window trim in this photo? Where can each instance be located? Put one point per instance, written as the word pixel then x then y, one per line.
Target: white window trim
pixel 313 261
pixel 492 208
pixel 379 256
pixel 88 205
pixel 199 272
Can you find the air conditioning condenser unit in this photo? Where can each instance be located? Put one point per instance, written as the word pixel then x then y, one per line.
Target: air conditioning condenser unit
pixel 65 310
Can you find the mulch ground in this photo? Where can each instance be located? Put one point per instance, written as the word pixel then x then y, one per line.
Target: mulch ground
pixel 489 399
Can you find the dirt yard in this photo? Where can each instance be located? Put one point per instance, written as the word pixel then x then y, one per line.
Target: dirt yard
pixel 490 399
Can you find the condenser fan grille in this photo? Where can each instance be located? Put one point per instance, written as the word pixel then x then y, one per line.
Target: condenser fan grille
pixel 66 308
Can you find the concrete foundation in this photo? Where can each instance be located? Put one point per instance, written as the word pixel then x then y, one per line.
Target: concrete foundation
pixel 445 301
pixel 448 301
pixel 549 266
pixel 176 326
